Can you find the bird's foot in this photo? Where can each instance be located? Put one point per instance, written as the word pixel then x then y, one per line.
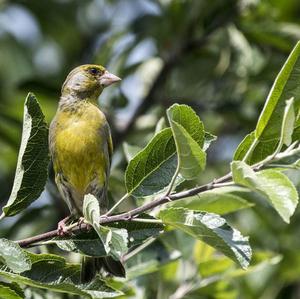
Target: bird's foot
pixel 62 229
pixel 86 228
pixel 80 222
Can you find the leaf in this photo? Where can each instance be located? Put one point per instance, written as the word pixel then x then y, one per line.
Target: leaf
pixel 211 229
pixel 13 256
pixel 189 120
pixel 276 186
pixel 88 243
pixel 91 213
pixel 91 209
pixel 31 173
pixel 191 158
pixel 11 291
pixel 288 123
pixel 220 201
pixel 188 132
pixel 208 139
pixel 138 232
pixel 53 273
pixel 269 126
pixel 114 240
pixel 118 243
pixel 151 170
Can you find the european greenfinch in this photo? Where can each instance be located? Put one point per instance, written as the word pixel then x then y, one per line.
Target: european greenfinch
pixel 81 150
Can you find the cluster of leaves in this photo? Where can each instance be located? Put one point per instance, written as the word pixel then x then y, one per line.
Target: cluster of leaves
pixel 175 154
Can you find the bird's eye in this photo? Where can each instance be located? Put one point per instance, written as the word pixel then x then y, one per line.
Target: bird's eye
pixel 94 71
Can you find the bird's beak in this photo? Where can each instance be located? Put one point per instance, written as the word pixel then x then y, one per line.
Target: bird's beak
pixel 107 79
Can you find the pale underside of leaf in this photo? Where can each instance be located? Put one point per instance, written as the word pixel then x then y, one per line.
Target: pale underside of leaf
pixel 274 185
pixel 213 230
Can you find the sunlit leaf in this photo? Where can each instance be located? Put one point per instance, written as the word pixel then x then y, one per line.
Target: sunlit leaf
pixel 188 132
pixel 13 256
pixel 11 291
pixel 114 240
pixel 151 170
pixel 274 185
pixel 51 272
pixel 266 136
pixel 31 173
pixel 211 229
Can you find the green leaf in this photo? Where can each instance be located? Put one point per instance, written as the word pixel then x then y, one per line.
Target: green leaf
pixel 114 240
pixel 88 243
pixel 31 173
pixel 188 132
pixel 244 146
pixel 14 256
pixel 189 120
pixel 119 242
pixel 220 201
pixel 11 291
pixel 151 170
pixel 274 185
pixel 91 209
pixel 191 158
pixel 208 139
pixel 211 229
pixel 288 123
pixel 268 130
pixel 138 232
pixel 51 272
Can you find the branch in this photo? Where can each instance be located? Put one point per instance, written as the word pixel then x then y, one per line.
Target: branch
pixel 130 215
pixel 293 149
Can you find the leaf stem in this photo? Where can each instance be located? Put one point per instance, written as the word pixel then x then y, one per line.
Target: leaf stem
pixel 223 184
pixel 173 180
pixel 250 150
pixel 145 220
pixel 117 204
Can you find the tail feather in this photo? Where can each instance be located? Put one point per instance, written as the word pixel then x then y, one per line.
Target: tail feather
pixel 91 266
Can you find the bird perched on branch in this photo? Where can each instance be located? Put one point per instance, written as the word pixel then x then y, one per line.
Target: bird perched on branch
pixel 81 150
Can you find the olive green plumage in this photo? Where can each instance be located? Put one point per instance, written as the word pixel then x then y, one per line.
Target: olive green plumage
pixel 81 148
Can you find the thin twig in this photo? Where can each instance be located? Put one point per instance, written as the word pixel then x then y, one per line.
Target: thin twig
pixel 117 204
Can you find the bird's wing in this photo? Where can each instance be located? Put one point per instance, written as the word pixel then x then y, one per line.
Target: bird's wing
pixel 108 137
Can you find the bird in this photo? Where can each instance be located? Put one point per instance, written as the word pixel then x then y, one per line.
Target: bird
pixel 81 148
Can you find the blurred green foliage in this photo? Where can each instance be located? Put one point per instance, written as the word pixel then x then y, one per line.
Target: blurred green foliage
pixel 220 57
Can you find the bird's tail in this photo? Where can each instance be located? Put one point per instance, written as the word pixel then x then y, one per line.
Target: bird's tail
pixel 90 266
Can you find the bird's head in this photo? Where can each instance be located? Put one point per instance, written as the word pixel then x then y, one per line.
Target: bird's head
pixel 88 81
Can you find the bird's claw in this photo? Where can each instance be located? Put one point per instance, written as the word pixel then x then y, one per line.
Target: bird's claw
pixel 81 221
pixel 62 229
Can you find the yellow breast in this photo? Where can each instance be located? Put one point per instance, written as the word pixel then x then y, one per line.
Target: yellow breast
pixel 80 147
